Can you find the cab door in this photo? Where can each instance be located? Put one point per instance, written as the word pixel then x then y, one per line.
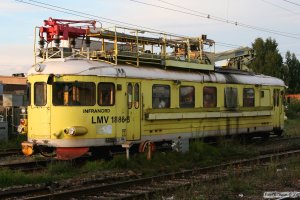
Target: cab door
pixel 39 112
pixel 134 111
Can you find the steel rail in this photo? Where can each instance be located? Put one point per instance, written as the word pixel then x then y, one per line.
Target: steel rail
pixel 10 152
pixel 143 187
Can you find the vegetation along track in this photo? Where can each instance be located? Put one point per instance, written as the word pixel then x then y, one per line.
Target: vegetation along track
pixel 146 187
pixel 41 163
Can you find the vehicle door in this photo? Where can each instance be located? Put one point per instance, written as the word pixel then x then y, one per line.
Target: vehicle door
pixel 39 112
pixel 134 111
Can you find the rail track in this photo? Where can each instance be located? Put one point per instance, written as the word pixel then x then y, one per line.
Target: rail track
pixel 10 152
pixel 27 165
pixel 141 188
pixel 24 164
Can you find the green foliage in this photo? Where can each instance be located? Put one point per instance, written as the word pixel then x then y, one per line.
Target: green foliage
pixel 12 177
pixel 293 78
pixel 291 126
pixel 239 186
pixel 93 166
pixel 293 110
pixel 61 169
pixel 203 153
pixel 268 60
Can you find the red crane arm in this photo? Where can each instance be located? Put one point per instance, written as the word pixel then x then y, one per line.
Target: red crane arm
pixel 61 29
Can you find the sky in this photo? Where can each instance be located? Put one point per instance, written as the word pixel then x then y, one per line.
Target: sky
pixel 18 21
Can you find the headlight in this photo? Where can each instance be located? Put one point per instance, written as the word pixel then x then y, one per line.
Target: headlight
pixel 38 67
pixel 23 110
pixel 72 131
pixel 75 130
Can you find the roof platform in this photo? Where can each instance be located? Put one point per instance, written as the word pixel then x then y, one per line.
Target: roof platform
pixel 122 45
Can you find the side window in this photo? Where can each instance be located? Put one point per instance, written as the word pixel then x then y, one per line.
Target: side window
pixel 160 96
pixel 187 97
pixel 248 97
pixel 40 94
pixel 74 94
pixel 209 97
pixel 129 95
pixel 136 95
pixel 231 97
pixel 106 94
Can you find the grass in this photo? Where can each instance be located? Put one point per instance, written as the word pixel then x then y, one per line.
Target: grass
pixel 292 125
pixel 293 110
pixel 278 176
pixel 11 177
pixel 201 154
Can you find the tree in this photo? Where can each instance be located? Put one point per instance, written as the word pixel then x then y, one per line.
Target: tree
pixel 293 80
pixel 268 60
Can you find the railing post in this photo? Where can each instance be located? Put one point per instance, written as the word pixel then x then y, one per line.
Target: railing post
pixel 137 49
pixel 116 47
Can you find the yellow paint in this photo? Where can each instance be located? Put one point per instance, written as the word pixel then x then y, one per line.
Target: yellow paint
pixel 49 121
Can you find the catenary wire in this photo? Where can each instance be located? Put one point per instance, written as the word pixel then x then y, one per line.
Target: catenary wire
pixel 291 2
pixel 208 16
pixel 107 20
pixel 275 5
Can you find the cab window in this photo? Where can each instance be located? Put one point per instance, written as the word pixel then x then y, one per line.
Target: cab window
pixel 106 94
pixel 160 96
pixel 40 94
pixel 187 97
pixel 209 97
pixel 74 94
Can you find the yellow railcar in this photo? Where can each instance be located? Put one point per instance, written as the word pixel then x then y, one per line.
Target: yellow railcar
pixel 133 90
pixel 84 104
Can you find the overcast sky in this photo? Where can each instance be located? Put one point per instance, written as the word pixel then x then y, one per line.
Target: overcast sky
pixel 18 20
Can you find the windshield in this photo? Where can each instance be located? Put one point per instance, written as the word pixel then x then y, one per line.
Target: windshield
pixel 74 94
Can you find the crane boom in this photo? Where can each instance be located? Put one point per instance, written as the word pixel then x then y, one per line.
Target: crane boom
pixel 237 58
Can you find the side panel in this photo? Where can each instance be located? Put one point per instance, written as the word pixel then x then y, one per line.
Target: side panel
pixel 265 97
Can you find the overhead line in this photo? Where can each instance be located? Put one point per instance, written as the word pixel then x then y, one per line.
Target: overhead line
pixel 273 4
pixel 107 20
pixel 208 16
pixel 292 2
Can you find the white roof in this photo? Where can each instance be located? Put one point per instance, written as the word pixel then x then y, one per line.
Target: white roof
pixel 96 68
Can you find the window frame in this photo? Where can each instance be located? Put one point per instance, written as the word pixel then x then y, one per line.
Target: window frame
pixel 44 93
pixel 230 91
pixel 215 93
pixel 129 95
pixel 184 104
pixel 246 102
pixel 167 104
pixel 73 83
pixel 136 96
pixel 113 92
